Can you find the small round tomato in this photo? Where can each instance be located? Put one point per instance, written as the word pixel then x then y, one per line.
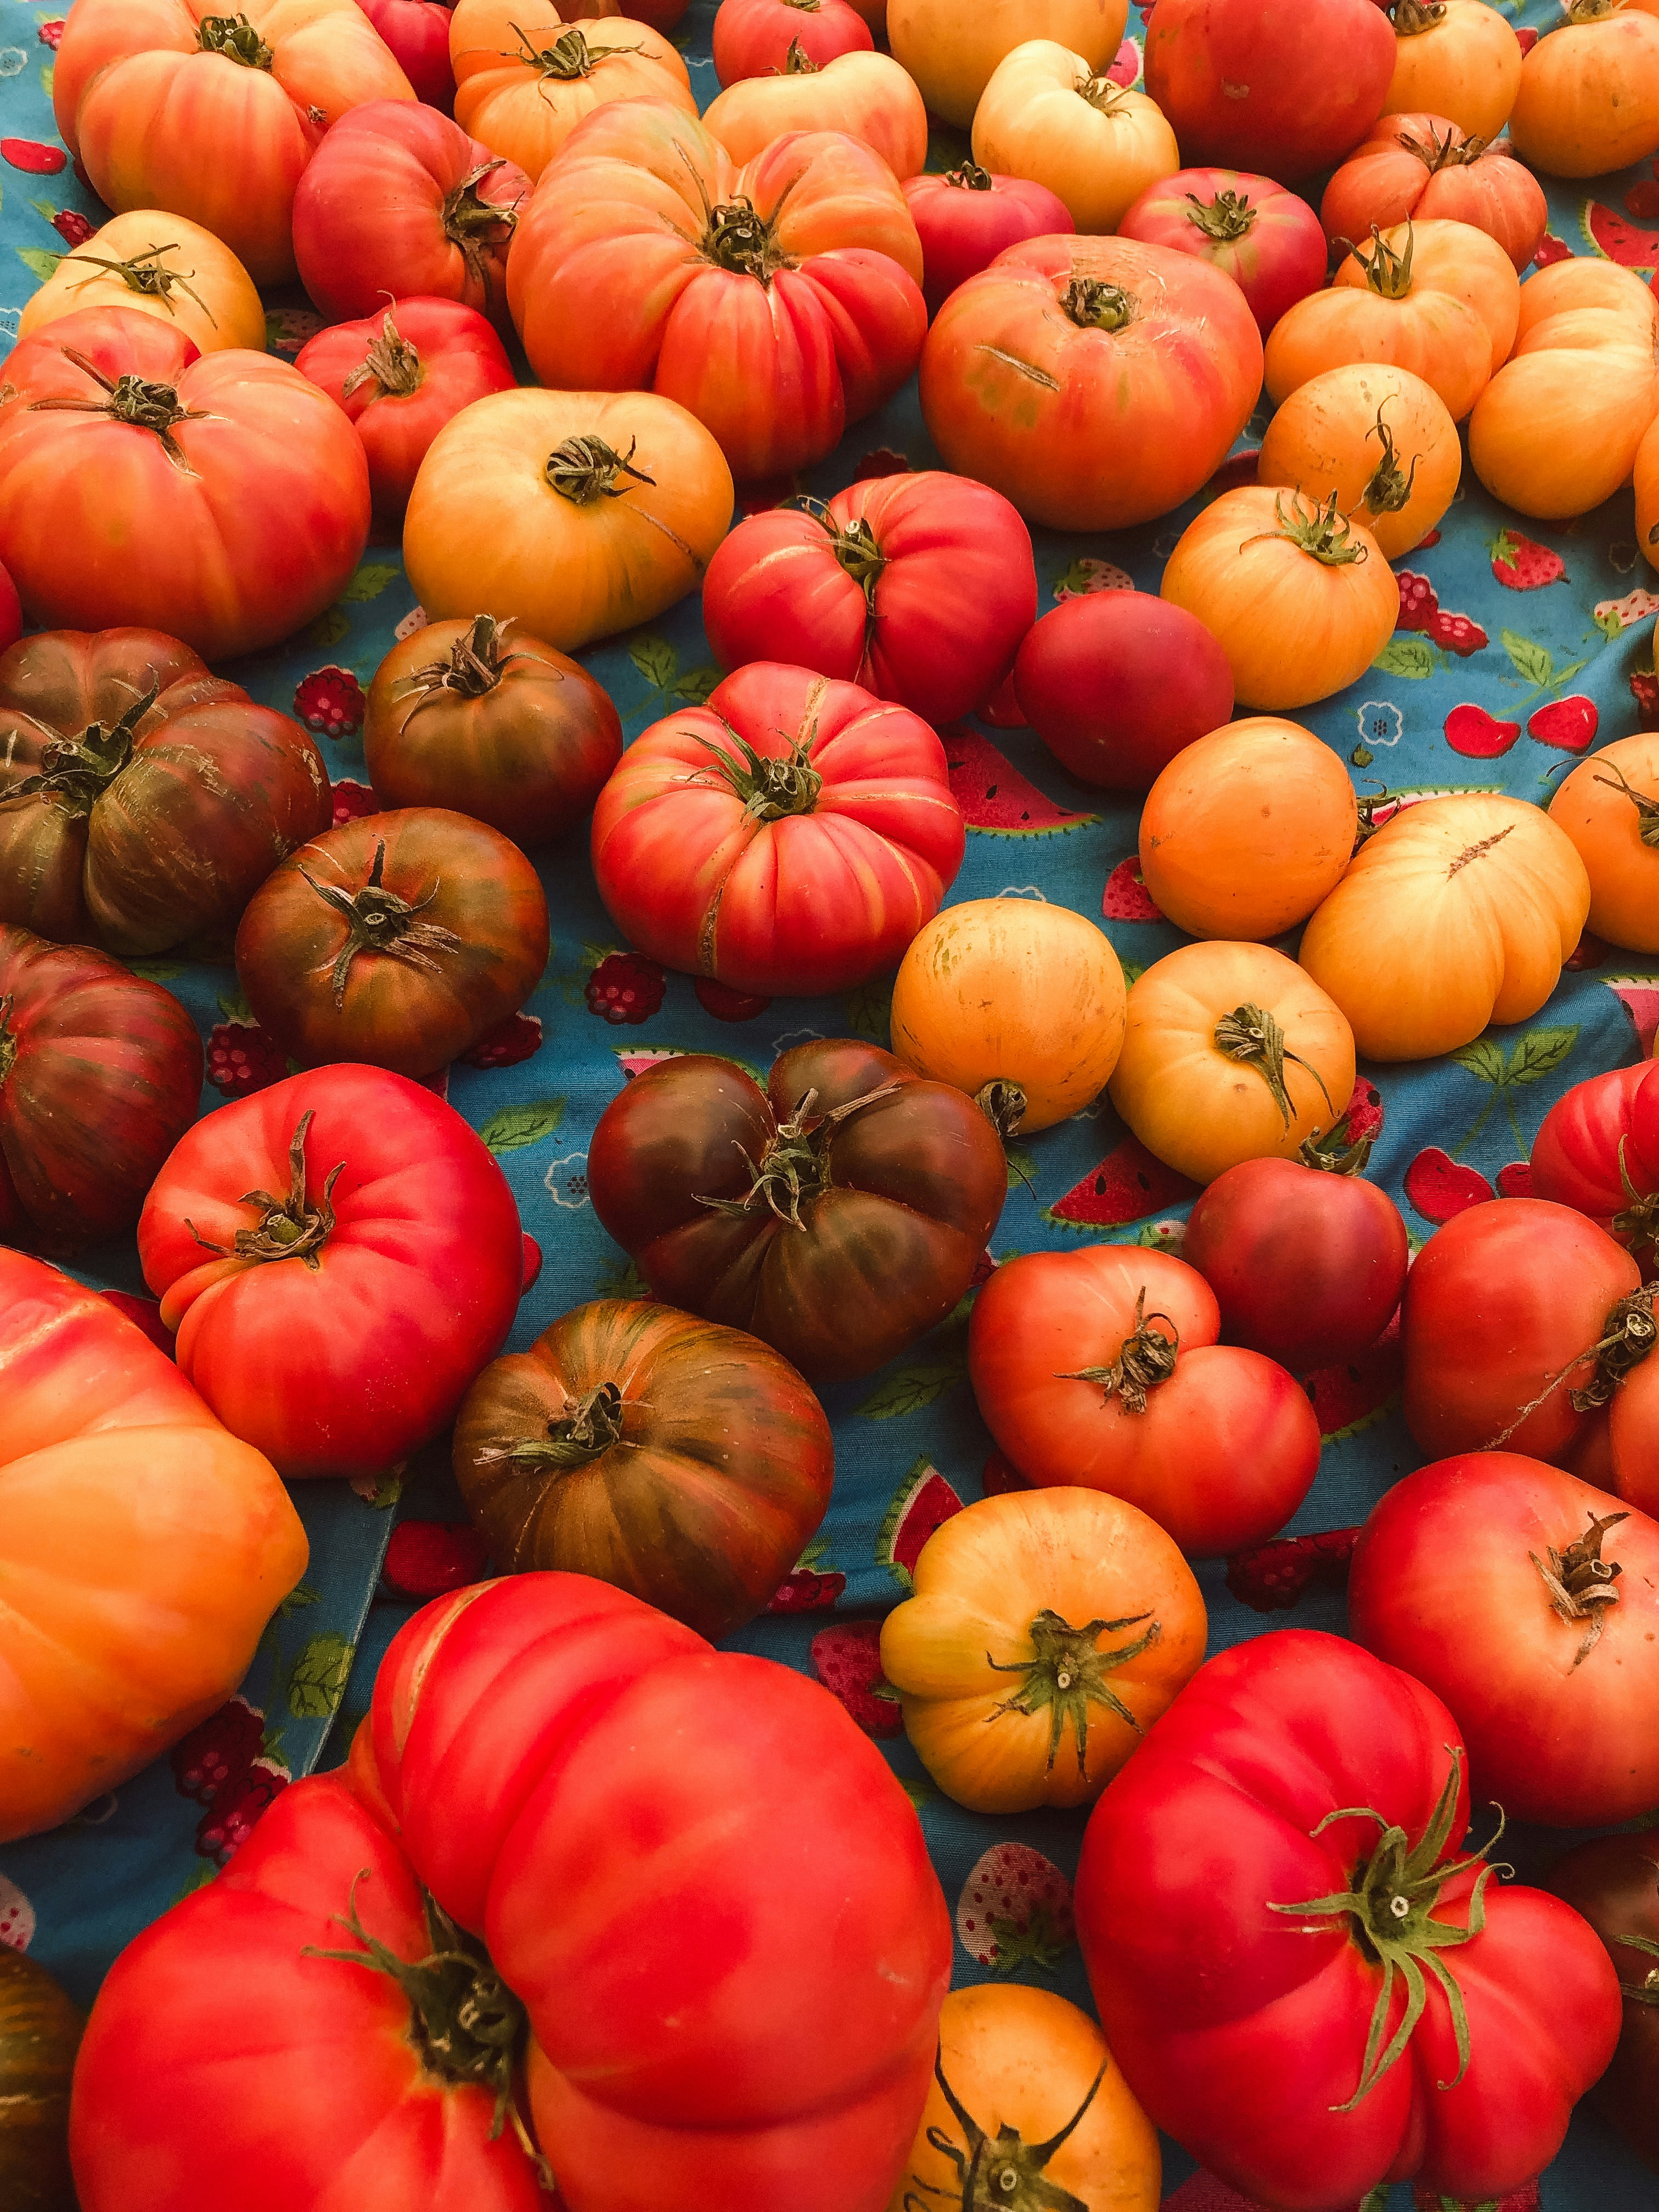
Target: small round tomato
pixel 1598 1152
pixel 1268 239
pixel 1377 440
pixel 753 38
pixel 1613 1881
pixel 965 217
pixel 1116 684
pixel 1424 166
pixel 1609 807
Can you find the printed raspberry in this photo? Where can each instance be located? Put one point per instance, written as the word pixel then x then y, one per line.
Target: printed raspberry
pixel 218 1752
pixel 1456 632
pixel 727 1005
pixel 1550 249
pixel 52 33
pixel 224 1830
pixel 627 988
pixel 1417 603
pixel 330 701
pixel 1273 1577
pixel 518 1038
pixel 428 1559
pixel 1645 689
pixel 352 801
pixel 242 1059
pixel 71 226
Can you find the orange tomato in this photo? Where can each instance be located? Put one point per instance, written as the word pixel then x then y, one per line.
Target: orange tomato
pixel 162 265
pixel 1589 100
pixel 525 79
pixel 1450 257
pixel 143 1549
pixel 1421 166
pixel 1458 58
pixel 952 52
pixel 867 95
pixel 1387 311
pixel 1377 439
pixel 1300 598
pixel 1047 117
pixel 1610 807
pixel 1458 913
pixel 1645 470
pixel 1014 993
pixel 1231 1053
pixel 1247 829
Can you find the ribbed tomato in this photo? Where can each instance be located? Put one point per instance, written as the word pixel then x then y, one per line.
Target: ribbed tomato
pixel 1420 166
pixel 753 38
pixel 1598 1152
pixel 1268 239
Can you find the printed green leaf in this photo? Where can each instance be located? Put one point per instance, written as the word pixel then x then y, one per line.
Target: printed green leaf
pixel 510 1128
pixel 1533 661
pixel 44 207
pixel 696 687
pixel 1132 972
pixel 302 1594
pixel 370 580
pixel 1565 675
pixel 330 627
pixel 317 1679
pixel 869 1010
pixel 912 1389
pixel 45 79
pixel 1538 1053
pixel 36 260
pixel 918 1789
pixel 378 1491
pixel 1483 1060
pixel 1022 1170
pixel 1406 656
pixel 656 660
pixel 237 1010
pixel 155 971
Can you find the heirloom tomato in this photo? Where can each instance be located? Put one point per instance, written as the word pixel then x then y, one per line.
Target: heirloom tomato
pixel 1117 682
pixel 1266 238
pixel 1389 2009
pixel 100 1074
pixel 1518 1317
pixel 1096 382
pixel 400 376
pixel 1249 86
pixel 1530 1602
pixel 162 266
pixel 1588 97
pixel 170 105
pixel 1645 478
pixel 662 2031
pixel 525 77
pixel 1458 58
pixel 400 200
pixel 1598 1152
pixel 1094 143
pixel 397 939
pixel 1377 439
pixel 1247 829
pixel 1458 258
pixel 219 497
pixel 965 217
pixel 40 2033
pixel 1231 1053
pixel 777 299
pixel 683 1461
pixel 583 511
pixel 753 38
pixel 1090 1607
pixel 1459 912
pixel 953 54
pixel 1423 166
pixel 143 1549
pixel 1610 807
pixel 1307 1260
pixel 1101 1368
pixel 1613 1881
pixel 142 799
pixel 918 586
pixel 837 1215
pixel 866 96
pixel 416 32
pixel 1017 1000
pixel 791 837
pixel 339 1255
pixel 478 717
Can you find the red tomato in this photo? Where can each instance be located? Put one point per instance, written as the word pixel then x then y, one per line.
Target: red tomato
pixel 1116 684
pixel 919 587
pixel 1509 1303
pixel 1307 1264
pixel 417 32
pixel 662 2030
pixel 752 37
pixel 1422 167
pixel 1530 1603
pixel 334 1317
pixel 1101 1368
pixel 790 837
pixel 219 498
pixel 1598 1151
pixel 400 200
pixel 1252 85
pixel 1263 1887
pixel 401 376
pixel 965 217
pixel 11 613
pixel 1268 239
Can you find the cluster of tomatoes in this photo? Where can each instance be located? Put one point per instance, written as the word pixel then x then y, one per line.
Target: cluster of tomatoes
pixel 707 302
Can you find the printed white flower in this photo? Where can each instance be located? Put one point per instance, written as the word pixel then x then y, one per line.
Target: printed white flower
pixel 13 61
pixel 793 1037
pixel 1380 722
pixel 566 1183
pixel 1023 891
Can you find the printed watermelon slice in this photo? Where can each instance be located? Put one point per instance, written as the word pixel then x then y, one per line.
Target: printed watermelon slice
pixel 1620 240
pixel 924 1501
pixel 992 792
pixel 1127 1185
pixel 635 1063
pixel 1126 897
pixel 1349 1398
pixel 1639 995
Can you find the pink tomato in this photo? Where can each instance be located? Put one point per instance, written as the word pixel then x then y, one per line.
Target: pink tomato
pixel 417 32
pixel 1268 239
pixel 966 216
pixel 1116 684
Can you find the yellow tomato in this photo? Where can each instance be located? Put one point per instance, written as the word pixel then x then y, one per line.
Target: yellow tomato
pixel 952 51
pixel 1045 116
pixel 1378 439
pixel 162 266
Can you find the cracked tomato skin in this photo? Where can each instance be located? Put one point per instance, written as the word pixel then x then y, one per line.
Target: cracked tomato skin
pixel 1242 2030
pixel 346 1367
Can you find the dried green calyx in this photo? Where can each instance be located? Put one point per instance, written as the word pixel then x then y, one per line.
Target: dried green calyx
pixel 996 2174
pixel 1145 1358
pixel 583 470
pixel 568 58
pixel 797 62
pixel 737 236
pixel 380 920
pixel 1646 806
pixel 968 177
pixel 1390 486
pixel 235 38
pixel 1323 532
pixel 1226 218
pixel 1253 1037
pixel 1581 1584
pixel 1094 305
pixel 289 1228
pixel 582 1431
pixel 130 399
pixel 74 772
pixel 794 1167
pixel 390 362
pixel 472 222
pixel 1388 269
pixel 146 274
pixel 1412 17
pixel 1069 1673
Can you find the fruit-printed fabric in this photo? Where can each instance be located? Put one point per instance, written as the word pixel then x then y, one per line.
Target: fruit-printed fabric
pixel 1519 647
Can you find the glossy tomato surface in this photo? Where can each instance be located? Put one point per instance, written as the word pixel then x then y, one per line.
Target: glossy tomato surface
pixel 1117 683
pixel 1268 239
pixel 417 32
pixel 754 37
pixel 1598 1152
pixel 965 217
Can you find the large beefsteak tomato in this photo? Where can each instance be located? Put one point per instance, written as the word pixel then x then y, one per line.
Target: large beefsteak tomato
pixel 836 1214
pixel 339 1255
pixel 161 265
pixel 1388 2009
pixel 545 1754
pixel 143 1549
pixel 791 837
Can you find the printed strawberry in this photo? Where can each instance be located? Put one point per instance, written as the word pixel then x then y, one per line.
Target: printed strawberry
pixel 221 1833
pixel 920 1505
pixel 626 987
pixel 1000 1475
pixel 1085 575
pixel 1124 71
pixel 242 1059
pixel 847 1662
pixel 330 701
pixel 145 1314
pixel 218 1752
pixel 1126 897
pixel 1456 634
pixel 1349 1398
pixel 518 1038
pixel 1471 731
pixel 428 1559
pixel 33 159
pixel 727 1005
pixel 532 1263
pixel 1440 1187
pixel 1417 603
pixel 352 801
pixel 1569 723
pixel 51 34
pixel 16 1917
pixel 1126 1186
pixel 812 1586
pixel 1002 710
pixel 883 462
pixel 1613 615
pixel 71 226
pixel 1515 1181
pixel 1015 1910
pixel 1273 1577
pixel 1523 564
pixel 1645 689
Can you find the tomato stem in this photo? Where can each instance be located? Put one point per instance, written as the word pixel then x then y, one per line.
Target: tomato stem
pixel 1003 2169
pixel 1253 1035
pixel 568 58
pixel 1335 1152
pixel 1412 17
pixel 1102 94
pixel 1630 1333
pixel 146 406
pixel 378 920
pixel 1321 531
pixel 235 38
pixel 1636 1220
pixel 1067 1673
pixel 472 666
pixel 1647 807
pixel 1145 1358
pixel 1096 306
pixel 1003 1105
pixel 1390 487
pixel 1227 216
pixel 1646 1991
pixel 737 236
pixel 968 176
pixel 1454 151
pixel 770 788
pixel 795 1164
pixel 1580 1581
pixel 74 771
pixel 797 62
pixel 289 1228
pixel 586 1427
pixel 583 470
pixel 391 361
pixel 146 274
pixel 1388 269
pixel 472 222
